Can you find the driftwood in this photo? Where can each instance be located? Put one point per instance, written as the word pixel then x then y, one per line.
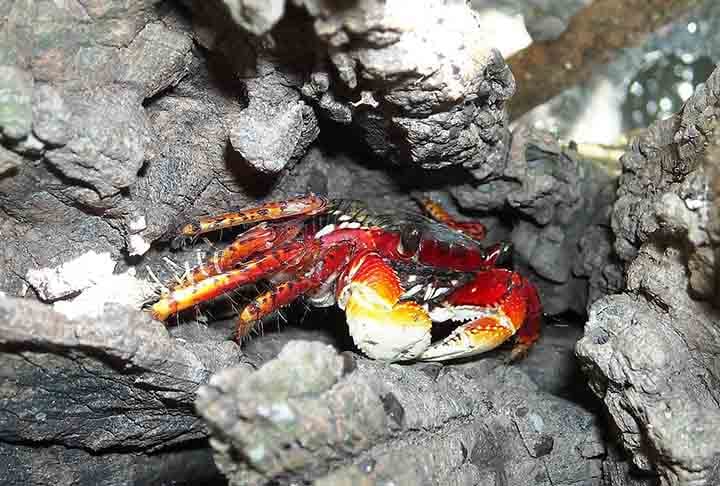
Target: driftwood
pixel 593 37
pixel 651 352
pixel 122 122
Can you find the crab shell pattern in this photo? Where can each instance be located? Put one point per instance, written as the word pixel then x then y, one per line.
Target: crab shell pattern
pixel 394 275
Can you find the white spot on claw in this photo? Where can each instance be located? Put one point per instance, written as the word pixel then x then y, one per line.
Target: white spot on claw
pixel 429 292
pixel 412 291
pixel 325 231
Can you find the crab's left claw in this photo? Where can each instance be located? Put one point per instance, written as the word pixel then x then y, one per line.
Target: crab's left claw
pixel 496 304
pixel 382 326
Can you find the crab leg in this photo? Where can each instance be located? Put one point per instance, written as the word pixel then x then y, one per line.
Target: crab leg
pixel 256 239
pixel 327 266
pixel 308 205
pixel 212 287
pixel 499 304
pixel 381 325
pixel 474 230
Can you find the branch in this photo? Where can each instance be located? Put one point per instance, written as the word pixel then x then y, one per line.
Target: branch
pixel 594 36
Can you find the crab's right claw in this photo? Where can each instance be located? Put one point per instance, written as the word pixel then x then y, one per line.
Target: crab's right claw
pixel 497 304
pixel 381 325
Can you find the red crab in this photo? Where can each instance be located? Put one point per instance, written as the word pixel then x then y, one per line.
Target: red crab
pixel 393 274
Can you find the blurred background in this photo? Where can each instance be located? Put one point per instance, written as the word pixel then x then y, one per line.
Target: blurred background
pixel 642 82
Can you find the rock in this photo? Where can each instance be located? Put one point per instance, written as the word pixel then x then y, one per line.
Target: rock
pixel 618 472
pixel 105 157
pixel 439 89
pixel 51 117
pixel 9 161
pixel 157 59
pixel 649 352
pixel 561 240
pixel 644 356
pixel 308 415
pixel 108 390
pixel 53 464
pixel 120 289
pixel 41 229
pixel 181 164
pixel 118 382
pixel 71 277
pixel 16 88
pixel 664 185
pixel 268 141
pixel 257 17
pixel 88 133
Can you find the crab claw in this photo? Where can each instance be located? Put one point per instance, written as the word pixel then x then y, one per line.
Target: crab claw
pixel 497 304
pixel 381 325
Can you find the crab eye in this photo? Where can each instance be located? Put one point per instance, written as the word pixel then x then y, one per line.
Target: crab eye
pixel 409 240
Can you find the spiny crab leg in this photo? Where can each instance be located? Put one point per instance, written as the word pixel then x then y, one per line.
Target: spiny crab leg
pixel 256 239
pixel 473 229
pixel 324 268
pixel 185 297
pixel 308 205
pixel 499 303
pixel 382 326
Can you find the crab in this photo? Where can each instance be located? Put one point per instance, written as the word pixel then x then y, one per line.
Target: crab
pixel 394 274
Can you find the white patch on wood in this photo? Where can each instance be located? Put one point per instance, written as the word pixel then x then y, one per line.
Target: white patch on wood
pixel 76 275
pixel 137 225
pixel 137 245
pixel 123 289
